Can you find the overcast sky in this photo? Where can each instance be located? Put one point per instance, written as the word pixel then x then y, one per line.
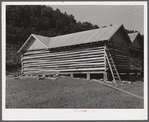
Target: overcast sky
pixel 131 16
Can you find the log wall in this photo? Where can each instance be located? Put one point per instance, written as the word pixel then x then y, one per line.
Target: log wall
pixel 87 58
pixel 120 55
pixel 75 59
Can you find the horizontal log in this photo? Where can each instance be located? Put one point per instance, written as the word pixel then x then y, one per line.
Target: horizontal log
pixel 62 68
pixel 117 47
pixel 121 56
pixel 62 51
pixel 119 53
pixel 62 64
pixel 51 61
pixel 79 60
pixel 121 64
pixel 63 72
pixel 57 63
pixel 64 54
pixel 65 57
pixel 123 68
pixel 125 65
pixel 117 44
pixel 83 69
pixel 121 59
pixel 39 72
pixel 60 58
pixel 75 64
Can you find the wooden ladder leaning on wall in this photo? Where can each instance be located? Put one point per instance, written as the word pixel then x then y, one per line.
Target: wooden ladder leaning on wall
pixel 113 69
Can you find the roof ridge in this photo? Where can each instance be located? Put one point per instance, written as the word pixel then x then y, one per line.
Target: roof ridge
pixel 133 33
pixel 80 31
pixel 40 35
pixel 87 36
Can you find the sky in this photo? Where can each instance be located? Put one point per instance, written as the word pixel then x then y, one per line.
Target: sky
pixel 131 16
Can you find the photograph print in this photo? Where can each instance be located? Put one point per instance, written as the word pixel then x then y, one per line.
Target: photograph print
pixel 75 57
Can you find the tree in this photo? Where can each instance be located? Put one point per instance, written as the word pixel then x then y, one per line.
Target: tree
pixel 23 20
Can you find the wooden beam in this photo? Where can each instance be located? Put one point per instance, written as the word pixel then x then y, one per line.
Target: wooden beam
pixel 71 74
pixel 105 76
pixel 63 51
pixel 64 55
pixel 88 76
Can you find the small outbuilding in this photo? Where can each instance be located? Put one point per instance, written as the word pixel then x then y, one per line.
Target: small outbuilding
pixel 136 41
pixel 93 53
pixel 136 52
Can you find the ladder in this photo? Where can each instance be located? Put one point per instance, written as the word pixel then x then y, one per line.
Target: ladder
pixel 113 69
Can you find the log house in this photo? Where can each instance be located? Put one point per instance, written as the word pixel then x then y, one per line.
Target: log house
pixel 77 53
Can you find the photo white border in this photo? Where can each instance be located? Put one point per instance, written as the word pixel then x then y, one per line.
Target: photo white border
pixel 70 114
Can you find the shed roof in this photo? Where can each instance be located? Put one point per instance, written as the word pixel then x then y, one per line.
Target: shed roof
pixel 88 36
pixel 133 36
pixel 136 41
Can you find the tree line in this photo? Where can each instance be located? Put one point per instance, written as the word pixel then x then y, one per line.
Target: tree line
pixel 23 20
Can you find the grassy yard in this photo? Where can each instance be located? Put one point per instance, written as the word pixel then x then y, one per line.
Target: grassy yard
pixel 69 93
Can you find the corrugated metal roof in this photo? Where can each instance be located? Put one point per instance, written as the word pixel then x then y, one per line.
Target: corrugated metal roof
pixel 79 38
pixel 132 36
pixel 88 36
pixel 43 39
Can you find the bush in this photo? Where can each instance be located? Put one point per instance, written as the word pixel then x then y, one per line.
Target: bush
pixel 12 67
pixel 135 78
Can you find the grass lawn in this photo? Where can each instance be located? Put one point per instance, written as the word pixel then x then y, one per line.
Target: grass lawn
pixel 136 88
pixel 69 93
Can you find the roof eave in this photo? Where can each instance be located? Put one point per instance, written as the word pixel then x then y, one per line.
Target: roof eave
pixel 125 32
pixel 115 32
pixel 40 41
pixel 32 35
pixel 20 50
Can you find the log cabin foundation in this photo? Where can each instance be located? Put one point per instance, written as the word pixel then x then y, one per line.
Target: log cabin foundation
pixel 105 78
pixel 71 75
pixel 88 76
